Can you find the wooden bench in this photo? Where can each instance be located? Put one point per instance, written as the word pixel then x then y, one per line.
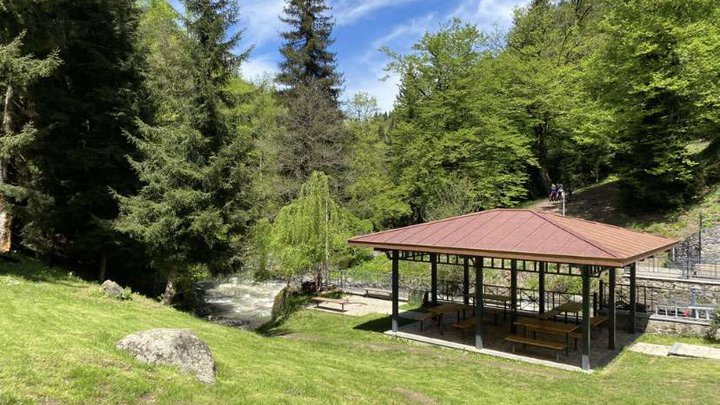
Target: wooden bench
pixel 544 344
pixel 325 300
pixel 378 292
pixel 595 321
pixel 469 323
pixel 417 316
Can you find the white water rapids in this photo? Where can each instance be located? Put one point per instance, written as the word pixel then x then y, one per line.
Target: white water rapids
pixel 239 302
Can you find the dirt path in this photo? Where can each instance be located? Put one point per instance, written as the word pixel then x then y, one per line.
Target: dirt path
pixel 600 203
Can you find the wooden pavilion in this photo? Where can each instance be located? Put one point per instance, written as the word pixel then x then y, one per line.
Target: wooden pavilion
pixel 521 240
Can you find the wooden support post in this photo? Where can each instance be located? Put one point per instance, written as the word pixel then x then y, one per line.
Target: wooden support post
pixel 433 279
pixel 541 287
pixel 513 295
pixel 633 298
pixel 611 309
pixel 479 306
pixel 466 280
pixel 395 281
pixel 585 318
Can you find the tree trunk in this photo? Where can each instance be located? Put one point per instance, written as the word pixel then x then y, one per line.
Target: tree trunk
pixel 541 150
pixel 5 218
pixel 169 294
pixel 103 267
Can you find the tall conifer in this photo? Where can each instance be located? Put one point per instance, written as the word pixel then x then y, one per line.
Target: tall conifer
pixel 192 209
pixel 308 59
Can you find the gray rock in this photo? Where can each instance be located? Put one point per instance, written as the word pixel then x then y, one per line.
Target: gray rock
pixel 176 347
pixel 112 289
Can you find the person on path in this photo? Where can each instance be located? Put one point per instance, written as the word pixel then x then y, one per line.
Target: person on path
pixel 553 192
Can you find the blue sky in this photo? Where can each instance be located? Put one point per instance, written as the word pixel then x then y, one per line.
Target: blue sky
pixel 362 27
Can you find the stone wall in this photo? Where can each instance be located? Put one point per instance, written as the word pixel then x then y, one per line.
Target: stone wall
pixel 651 323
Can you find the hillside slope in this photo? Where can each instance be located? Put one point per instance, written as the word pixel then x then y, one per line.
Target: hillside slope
pixel 602 203
pixel 58 336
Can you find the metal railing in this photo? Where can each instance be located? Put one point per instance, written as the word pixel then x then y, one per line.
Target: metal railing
pixel 689 312
pixel 686 268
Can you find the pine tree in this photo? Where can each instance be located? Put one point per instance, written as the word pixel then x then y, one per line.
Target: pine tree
pixel 81 113
pixel 308 61
pixel 316 139
pixel 17 72
pixel 193 207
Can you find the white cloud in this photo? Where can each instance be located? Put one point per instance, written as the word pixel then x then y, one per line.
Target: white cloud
pixel 348 11
pixel 259 67
pixel 367 77
pixel 410 30
pixel 261 20
pixel 486 13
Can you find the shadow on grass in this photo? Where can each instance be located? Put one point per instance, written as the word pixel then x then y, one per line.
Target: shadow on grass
pixel 380 325
pixel 33 270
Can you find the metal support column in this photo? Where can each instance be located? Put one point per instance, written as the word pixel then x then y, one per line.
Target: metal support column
pixel 633 298
pixel 611 309
pixel 541 287
pixel 479 306
pixel 513 295
pixel 585 318
pixel 466 280
pixel 433 279
pixel 395 289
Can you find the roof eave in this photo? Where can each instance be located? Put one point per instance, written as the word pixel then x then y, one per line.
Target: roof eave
pixel 589 261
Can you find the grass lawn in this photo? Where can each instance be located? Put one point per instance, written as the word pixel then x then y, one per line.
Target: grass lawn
pixel 58 336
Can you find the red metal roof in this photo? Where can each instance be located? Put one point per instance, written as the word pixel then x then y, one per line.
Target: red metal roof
pixel 522 234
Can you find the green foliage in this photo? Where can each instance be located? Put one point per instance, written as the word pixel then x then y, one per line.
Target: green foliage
pixel 314 138
pixel 79 112
pixel 18 71
pixel 543 71
pixel 307 58
pixel 310 234
pixel 371 193
pixel 662 69
pixel 193 209
pixel 452 151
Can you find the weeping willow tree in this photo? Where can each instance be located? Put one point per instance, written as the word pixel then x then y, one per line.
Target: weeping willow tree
pixel 310 234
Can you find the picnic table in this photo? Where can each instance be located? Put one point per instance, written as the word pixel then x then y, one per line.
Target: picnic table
pixel 547 326
pixel 449 308
pixel 566 308
pixel 498 299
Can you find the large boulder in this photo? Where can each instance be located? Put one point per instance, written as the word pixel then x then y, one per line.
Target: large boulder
pixel 176 347
pixel 112 289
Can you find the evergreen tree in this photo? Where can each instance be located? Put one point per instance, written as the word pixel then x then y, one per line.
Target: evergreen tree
pixel 307 59
pixel 80 112
pixel 193 207
pixel 315 138
pixel 17 72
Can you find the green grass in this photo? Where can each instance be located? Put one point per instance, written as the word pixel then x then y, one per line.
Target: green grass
pixel 58 336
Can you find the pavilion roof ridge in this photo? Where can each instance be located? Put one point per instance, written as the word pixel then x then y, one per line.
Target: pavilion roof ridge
pixel 547 217
pixel 427 223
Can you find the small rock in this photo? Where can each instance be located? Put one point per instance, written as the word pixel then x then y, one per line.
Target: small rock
pixel 112 289
pixel 176 347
